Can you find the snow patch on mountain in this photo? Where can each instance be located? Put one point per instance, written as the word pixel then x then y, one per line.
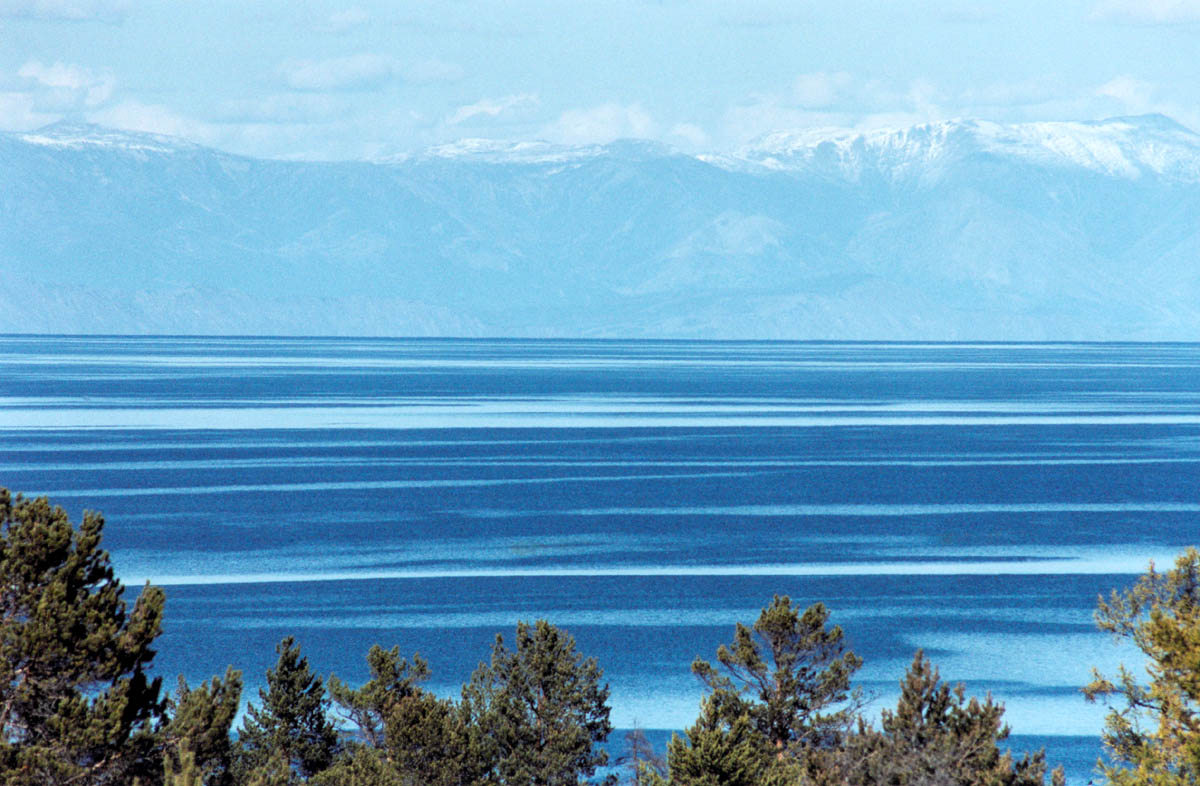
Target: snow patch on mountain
pixel 493 151
pixel 79 136
pixel 1126 147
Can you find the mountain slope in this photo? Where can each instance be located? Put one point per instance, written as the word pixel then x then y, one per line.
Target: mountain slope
pixel 959 230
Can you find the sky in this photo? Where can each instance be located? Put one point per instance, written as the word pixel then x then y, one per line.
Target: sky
pixel 323 80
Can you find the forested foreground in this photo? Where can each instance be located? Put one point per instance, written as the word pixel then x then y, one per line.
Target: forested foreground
pixel 78 705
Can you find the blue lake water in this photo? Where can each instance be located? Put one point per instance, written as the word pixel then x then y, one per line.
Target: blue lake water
pixel 969 499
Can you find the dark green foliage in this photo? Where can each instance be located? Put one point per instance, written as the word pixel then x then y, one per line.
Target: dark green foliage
pixel 1152 731
pixel 274 771
pixel 393 679
pixel 938 737
pixel 718 751
pixel 536 712
pixel 362 766
pixel 291 724
pixel 182 770
pixel 199 728
pixel 76 705
pixel 790 676
pixel 417 736
pixel 426 741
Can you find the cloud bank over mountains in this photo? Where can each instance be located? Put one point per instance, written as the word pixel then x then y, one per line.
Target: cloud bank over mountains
pixel 941 231
pixel 326 81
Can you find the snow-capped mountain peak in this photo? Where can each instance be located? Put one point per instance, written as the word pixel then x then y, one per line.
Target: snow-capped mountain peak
pixel 68 134
pixel 1127 147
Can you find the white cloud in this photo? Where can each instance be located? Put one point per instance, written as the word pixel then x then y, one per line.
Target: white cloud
pixel 1127 95
pixel 761 115
pixel 491 107
pixel 601 124
pixel 1149 11
pixel 71 10
pixel 65 88
pixel 924 98
pixel 281 108
pixel 832 100
pixel 353 72
pixel 363 71
pixel 689 135
pixel 1133 93
pixel 889 120
pixel 820 89
pixel 1026 92
pixel 133 115
pixel 18 112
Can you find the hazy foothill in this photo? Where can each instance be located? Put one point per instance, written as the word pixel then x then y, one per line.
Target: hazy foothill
pixel 80 704
pixel 954 230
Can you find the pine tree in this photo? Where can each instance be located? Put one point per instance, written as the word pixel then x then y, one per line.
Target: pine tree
pixel 537 711
pixel 363 765
pixel 198 730
pixel 790 675
pixel 76 704
pixel 426 741
pixel 393 679
pixel 275 770
pixel 936 736
pixel 417 735
pixel 291 724
pixel 717 751
pixel 1152 731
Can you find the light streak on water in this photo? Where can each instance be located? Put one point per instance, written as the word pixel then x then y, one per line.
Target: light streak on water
pixel 863 510
pixel 553 415
pixel 1097 566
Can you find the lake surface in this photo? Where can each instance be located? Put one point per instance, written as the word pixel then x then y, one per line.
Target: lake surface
pixel 972 500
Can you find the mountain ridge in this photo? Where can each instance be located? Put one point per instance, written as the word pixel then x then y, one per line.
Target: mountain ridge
pixel 1154 127
pixel 1123 146
pixel 956 230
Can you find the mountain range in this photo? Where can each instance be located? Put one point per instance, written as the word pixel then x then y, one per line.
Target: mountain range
pixel 957 230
